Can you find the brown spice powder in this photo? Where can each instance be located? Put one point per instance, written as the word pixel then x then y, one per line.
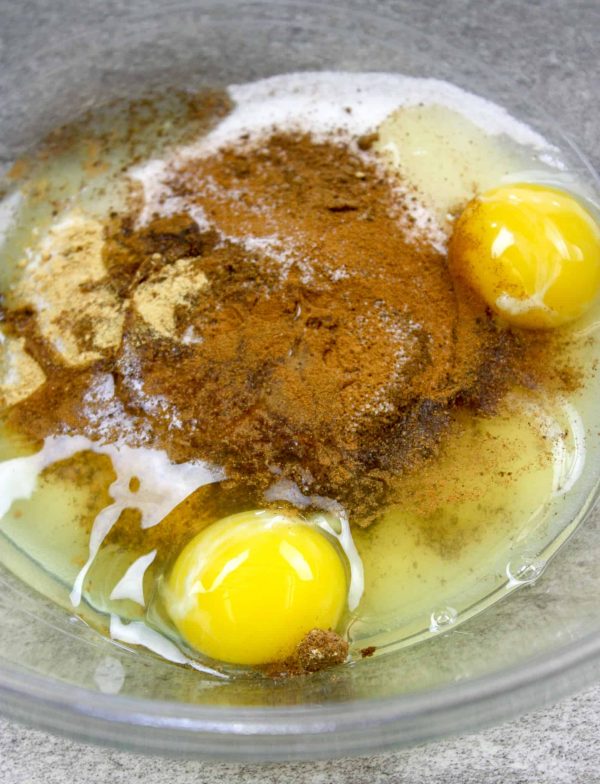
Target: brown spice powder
pixel 318 650
pixel 321 341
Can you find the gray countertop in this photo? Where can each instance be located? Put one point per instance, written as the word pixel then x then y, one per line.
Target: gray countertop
pixel 559 744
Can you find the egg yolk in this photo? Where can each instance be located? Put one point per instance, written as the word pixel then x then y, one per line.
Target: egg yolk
pixel 248 588
pixel 532 252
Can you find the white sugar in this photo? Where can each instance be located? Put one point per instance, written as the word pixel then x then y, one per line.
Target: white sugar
pixel 106 415
pixel 334 105
pixel 325 102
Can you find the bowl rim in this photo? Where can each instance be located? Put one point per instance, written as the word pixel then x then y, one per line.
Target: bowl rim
pixel 310 731
pixel 314 731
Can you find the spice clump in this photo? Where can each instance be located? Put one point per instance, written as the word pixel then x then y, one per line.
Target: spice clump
pixel 282 318
pixel 318 650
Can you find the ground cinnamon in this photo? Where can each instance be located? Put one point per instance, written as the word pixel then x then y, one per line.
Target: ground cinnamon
pixel 318 650
pixel 308 333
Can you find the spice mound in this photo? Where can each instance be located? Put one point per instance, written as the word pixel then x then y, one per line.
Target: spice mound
pixel 318 650
pixel 282 318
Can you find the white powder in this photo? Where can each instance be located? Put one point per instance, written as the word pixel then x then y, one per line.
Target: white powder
pixel 155 405
pixel 284 253
pixel 106 415
pixel 317 102
pixel 190 338
pixel 158 200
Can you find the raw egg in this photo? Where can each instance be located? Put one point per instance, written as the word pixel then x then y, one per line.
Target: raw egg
pixel 531 251
pixel 248 588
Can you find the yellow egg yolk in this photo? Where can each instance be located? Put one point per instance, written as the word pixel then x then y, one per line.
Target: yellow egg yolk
pixel 532 252
pixel 248 588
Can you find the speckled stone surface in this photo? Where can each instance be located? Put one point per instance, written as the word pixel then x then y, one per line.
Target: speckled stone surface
pixel 560 67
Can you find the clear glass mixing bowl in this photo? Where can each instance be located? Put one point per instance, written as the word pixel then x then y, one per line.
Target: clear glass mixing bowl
pixel 537 644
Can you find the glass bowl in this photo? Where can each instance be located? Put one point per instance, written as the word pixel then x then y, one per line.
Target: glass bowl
pixel 540 642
